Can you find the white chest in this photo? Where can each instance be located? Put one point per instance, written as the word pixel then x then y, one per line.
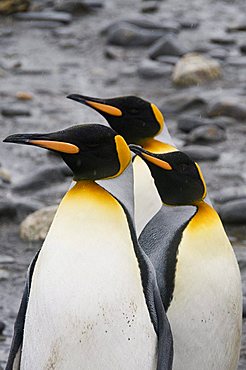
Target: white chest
pixel 87 308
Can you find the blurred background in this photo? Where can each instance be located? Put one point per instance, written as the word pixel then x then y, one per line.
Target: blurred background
pixel 188 57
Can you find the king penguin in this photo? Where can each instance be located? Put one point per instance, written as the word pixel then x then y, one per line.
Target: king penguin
pixel 197 271
pixel 91 299
pixel 139 122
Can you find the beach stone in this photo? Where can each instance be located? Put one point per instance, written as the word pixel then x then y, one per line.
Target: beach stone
pixel 149 69
pixel 194 69
pixel 227 194
pixel 243 48
pixel 24 95
pixel 201 152
pixel 129 35
pixel 167 59
pixel 223 40
pixel 244 307
pixel 189 23
pixel 187 123
pixel 150 6
pixel 78 6
pixel 4 275
pixel 228 106
pixel 166 45
pixel 207 134
pixel 235 61
pixel 15 111
pixel 7 209
pixel 47 175
pixel 182 102
pixel 5 175
pixel 144 22
pixel 2 327
pixel 218 53
pixel 6 259
pixel 14 6
pixel 237 27
pixel 60 17
pixel 114 52
pixel 233 212
pixel 36 225
pixel 32 71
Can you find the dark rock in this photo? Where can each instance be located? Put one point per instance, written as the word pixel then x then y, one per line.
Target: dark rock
pixel 218 53
pixel 233 212
pixel 114 52
pixel 78 6
pixel 13 6
pixel 15 111
pixel 45 16
pixel 167 59
pixel 189 24
pixel 182 102
pixel 150 7
pixel 167 45
pixel 145 23
pixel 2 327
pixel 208 134
pixel 237 27
pixel 244 307
pixel 243 48
pixel 188 123
pixel 129 35
pixel 7 32
pixel 46 176
pixel 201 152
pixel 223 40
pixel 151 69
pixel 230 107
pixel 7 209
pixel 227 194
pixel 237 61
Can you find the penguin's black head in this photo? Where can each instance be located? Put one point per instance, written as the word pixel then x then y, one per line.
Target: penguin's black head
pixel 92 151
pixel 132 117
pixel 177 177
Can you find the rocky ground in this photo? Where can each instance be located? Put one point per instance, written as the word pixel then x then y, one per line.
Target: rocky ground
pixel 111 48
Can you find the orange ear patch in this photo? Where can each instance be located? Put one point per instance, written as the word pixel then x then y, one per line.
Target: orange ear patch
pixel 105 108
pixel 158 162
pixel 58 146
pixel 158 115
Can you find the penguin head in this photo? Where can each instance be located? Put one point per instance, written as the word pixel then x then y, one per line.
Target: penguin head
pixel 132 117
pixel 177 177
pixel 92 151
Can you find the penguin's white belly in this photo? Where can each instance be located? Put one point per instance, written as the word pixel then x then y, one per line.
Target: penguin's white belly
pixel 205 313
pixel 87 308
pixel 147 199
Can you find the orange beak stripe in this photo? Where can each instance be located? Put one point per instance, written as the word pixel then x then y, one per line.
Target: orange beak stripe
pixel 58 146
pixel 158 162
pixel 105 108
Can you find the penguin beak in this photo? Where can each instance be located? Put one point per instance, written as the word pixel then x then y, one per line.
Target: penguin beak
pixel 46 141
pixel 150 157
pixel 99 105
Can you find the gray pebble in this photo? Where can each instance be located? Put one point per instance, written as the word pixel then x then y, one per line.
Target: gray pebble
pixel 60 17
pixel 223 40
pixel 167 45
pixel 237 27
pixel 237 61
pixel 150 6
pixel 78 6
pixel 149 69
pixel 189 24
pixel 227 194
pixel 230 107
pixel 6 259
pixel 218 53
pixel 129 35
pixel 4 275
pixel 182 102
pixel 7 209
pixel 201 152
pixel 167 59
pixel 147 23
pixel 187 123
pixel 233 212
pixel 32 71
pixel 207 134
pixel 44 177
pixel 2 327
pixel 15 111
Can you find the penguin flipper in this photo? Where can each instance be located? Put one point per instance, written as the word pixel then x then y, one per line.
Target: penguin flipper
pixel 160 241
pixel 14 357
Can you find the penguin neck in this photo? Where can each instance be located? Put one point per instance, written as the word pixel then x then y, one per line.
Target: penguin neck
pixel 156 146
